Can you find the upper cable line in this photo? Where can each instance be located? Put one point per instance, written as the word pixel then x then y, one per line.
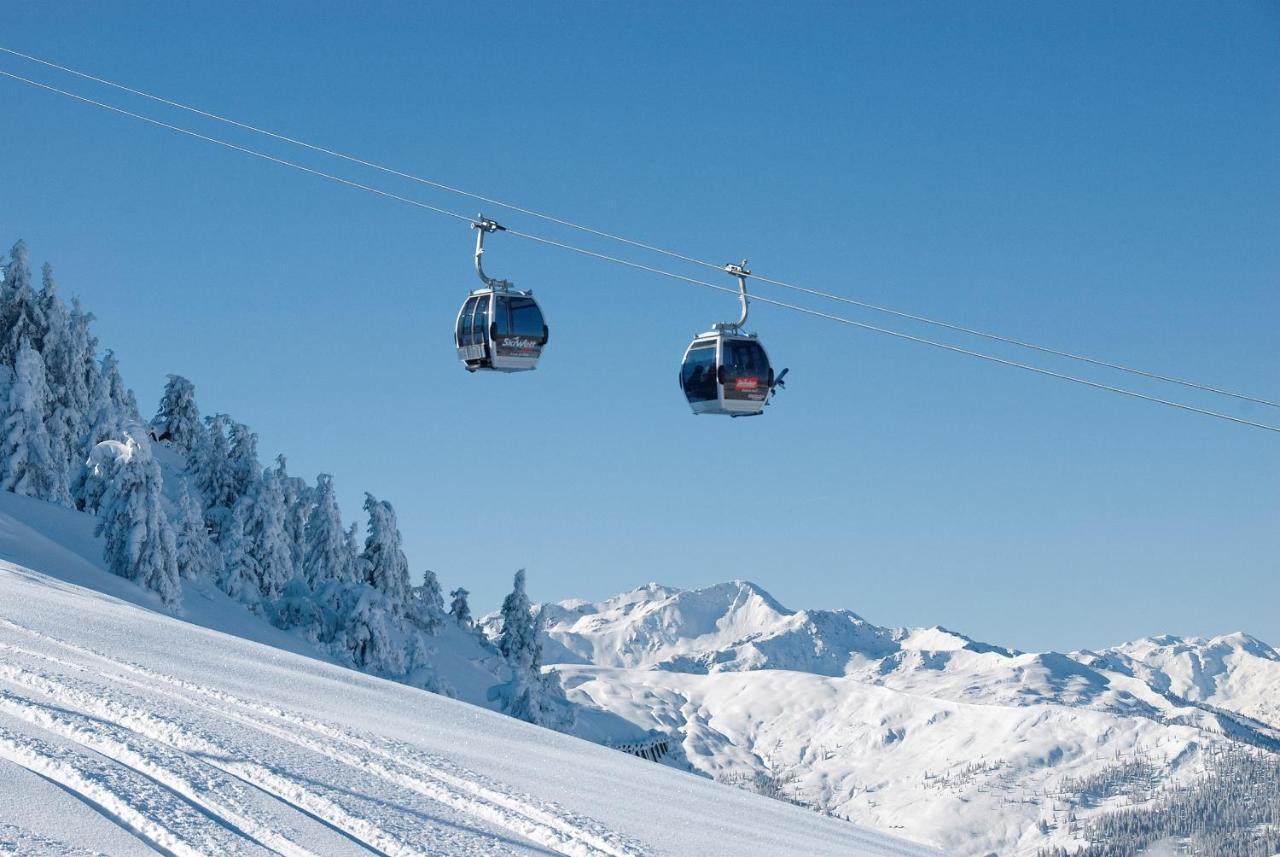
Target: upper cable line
pixel 648 268
pixel 653 248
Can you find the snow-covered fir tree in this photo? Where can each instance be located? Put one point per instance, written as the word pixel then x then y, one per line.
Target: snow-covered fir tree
pixel 82 381
pixel 197 556
pixel 459 609
pixel 240 573
pixel 139 544
pixel 326 556
pixel 20 315
pixel 367 631
pixel 297 504
pixel 109 409
pixel 27 462
pixel 530 695
pixel 108 418
pixel 242 459
pixel 354 561
pixel 518 641
pixel 266 540
pixel 210 467
pixel 298 609
pixel 63 418
pixel 177 420
pixel 383 563
pixel 427 603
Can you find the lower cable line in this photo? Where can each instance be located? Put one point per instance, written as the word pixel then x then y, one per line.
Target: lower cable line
pixel 234 147
pixel 900 335
pixel 694 281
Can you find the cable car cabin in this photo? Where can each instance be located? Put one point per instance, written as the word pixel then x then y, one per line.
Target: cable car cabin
pixel 726 373
pixel 501 330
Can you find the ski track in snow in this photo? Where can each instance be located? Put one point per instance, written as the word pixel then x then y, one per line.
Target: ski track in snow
pixel 147 809
pixel 198 769
pixel 17 842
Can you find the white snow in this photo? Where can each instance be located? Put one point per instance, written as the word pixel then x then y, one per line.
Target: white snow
pixel 127 731
pixel 922 732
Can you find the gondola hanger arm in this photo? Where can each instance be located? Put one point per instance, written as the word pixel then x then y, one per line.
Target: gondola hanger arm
pixel 483 226
pixel 740 271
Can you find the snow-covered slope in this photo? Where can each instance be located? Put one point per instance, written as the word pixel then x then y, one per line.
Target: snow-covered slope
pixel 127 731
pixel 1235 672
pixel 926 732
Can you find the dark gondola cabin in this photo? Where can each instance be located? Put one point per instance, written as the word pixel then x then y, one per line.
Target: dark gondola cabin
pixel 726 373
pixel 500 330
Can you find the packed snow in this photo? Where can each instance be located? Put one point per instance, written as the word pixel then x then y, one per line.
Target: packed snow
pixel 124 730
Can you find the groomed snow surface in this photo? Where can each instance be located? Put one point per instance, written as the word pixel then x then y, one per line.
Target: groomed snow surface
pixel 125 731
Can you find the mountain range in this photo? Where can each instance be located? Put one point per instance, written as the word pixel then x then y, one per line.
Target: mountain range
pixel 968 746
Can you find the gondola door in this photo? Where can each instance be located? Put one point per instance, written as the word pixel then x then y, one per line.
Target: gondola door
pixel 745 376
pixel 517 332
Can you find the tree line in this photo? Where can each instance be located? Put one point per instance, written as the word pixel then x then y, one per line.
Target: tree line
pixel 71 434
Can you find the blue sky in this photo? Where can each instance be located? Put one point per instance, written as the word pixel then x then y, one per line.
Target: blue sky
pixel 1099 177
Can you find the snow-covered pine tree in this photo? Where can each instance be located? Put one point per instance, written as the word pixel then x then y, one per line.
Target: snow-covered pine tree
pixel 297 608
pixel 210 467
pixel 109 411
pixel 366 632
pixel 27 463
pixel 431 595
pixel 52 313
pixel 240 573
pixel 530 695
pixel 265 537
pixel 518 641
pixel 82 378
pixel 326 557
pixel 297 504
pixel 383 561
pixel 197 556
pixel 139 543
pixel 65 417
pixel 242 459
pixel 355 562
pixel 20 316
pixel 459 609
pixel 427 605
pixel 177 421
pixel 108 419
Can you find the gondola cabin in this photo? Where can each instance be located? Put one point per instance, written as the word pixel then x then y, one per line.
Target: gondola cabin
pixel 500 330
pixel 726 373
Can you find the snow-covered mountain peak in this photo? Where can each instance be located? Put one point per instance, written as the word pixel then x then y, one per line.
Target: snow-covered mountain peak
pixel 924 730
pixel 1169 645
pixel 739 627
pixel 735 625
pixel 1234 671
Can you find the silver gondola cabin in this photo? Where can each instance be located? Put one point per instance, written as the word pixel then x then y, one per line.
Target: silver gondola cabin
pixel 727 371
pixel 499 328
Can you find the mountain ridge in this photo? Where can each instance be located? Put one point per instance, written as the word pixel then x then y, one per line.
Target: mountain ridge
pixel 969 746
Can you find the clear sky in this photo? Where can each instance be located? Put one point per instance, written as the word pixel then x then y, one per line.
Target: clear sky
pixel 1094 176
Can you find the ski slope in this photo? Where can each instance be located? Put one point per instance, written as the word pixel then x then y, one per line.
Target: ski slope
pixel 125 731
